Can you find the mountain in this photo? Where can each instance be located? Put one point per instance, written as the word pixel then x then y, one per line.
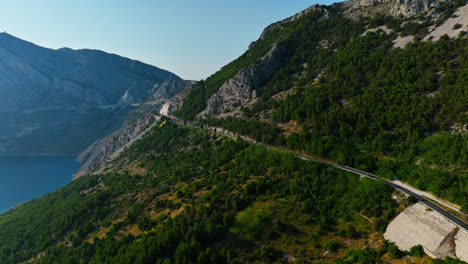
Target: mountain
pixel 132 129
pixel 289 154
pixel 60 101
pixel 356 82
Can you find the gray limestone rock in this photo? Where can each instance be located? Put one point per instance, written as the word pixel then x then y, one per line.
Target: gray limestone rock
pixel 243 86
pixel 369 8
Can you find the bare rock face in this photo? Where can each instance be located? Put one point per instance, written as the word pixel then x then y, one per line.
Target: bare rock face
pixel 162 92
pixel 411 7
pixel 110 145
pixel 417 225
pixel 368 8
pixel 100 151
pixel 244 85
pixel 176 102
pixel 242 88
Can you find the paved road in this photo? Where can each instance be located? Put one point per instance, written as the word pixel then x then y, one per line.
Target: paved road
pixel 423 200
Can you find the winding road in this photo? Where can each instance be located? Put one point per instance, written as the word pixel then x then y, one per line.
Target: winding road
pixel 452 218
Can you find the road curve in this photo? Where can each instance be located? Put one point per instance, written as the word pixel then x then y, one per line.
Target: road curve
pixel 452 218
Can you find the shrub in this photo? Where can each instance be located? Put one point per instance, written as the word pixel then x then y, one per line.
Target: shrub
pixel 464 208
pixel 254 222
pixel 331 245
pixel 145 223
pixel 394 251
pixel 268 253
pixel 416 251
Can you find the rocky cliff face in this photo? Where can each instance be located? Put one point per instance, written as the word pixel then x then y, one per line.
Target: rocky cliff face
pixel 131 130
pixel 113 144
pixel 244 85
pixel 60 101
pixel 405 8
pixel 175 102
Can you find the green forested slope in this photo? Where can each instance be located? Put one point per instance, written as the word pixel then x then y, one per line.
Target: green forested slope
pixel 296 37
pixel 384 110
pixel 359 101
pixel 202 199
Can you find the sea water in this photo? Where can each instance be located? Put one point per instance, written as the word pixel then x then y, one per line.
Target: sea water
pixel 24 178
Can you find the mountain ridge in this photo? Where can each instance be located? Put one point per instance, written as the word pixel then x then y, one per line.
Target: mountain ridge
pixel 47 94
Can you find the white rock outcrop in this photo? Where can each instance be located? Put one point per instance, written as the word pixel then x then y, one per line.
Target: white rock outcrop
pixel 244 85
pixel 370 8
pixel 418 225
pixel 452 26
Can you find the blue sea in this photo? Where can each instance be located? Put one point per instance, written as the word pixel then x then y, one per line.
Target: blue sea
pixel 24 178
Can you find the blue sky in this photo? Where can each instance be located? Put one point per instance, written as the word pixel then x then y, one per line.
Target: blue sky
pixel 192 38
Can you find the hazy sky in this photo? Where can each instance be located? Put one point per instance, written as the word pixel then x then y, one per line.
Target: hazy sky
pixel 192 38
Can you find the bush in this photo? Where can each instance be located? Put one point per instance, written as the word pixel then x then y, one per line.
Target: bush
pixel 412 200
pixel 394 251
pixel 145 223
pixel 464 208
pixel 254 222
pixel 268 253
pixel 331 245
pixel 106 223
pixel 416 251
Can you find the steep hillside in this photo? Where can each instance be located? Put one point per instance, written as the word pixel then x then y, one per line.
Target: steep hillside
pixel 134 126
pixel 359 83
pixel 183 195
pixel 60 101
pixel 374 85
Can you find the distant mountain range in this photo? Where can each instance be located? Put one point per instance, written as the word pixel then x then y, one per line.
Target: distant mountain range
pixel 60 101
